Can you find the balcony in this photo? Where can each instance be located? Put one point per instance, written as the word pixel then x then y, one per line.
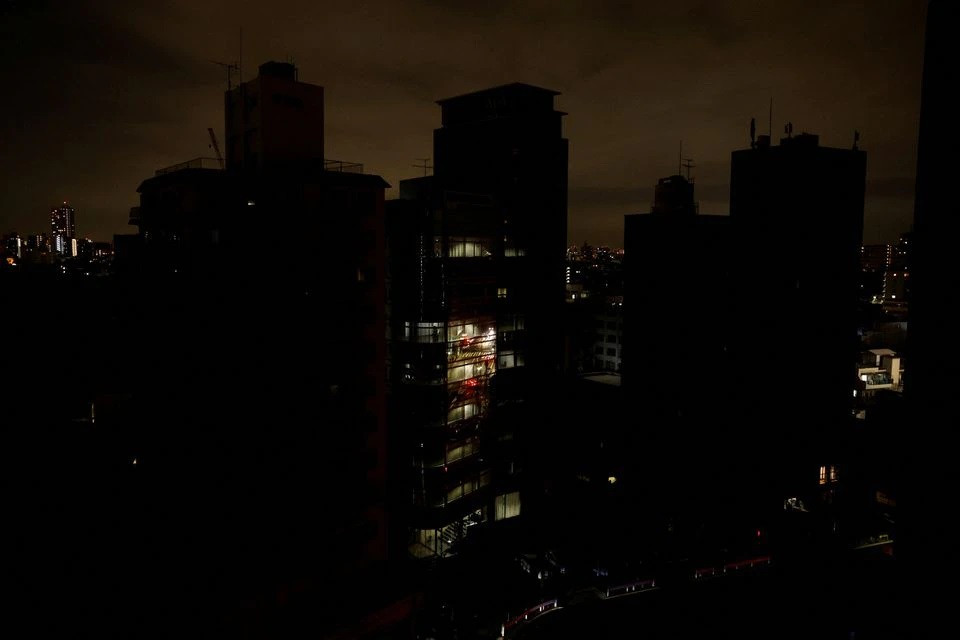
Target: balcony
pixel 876 380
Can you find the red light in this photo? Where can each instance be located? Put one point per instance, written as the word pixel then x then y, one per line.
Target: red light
pixel 758 533
pixel 472 382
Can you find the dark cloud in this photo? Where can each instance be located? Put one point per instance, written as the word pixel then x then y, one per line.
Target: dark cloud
pixel 103 93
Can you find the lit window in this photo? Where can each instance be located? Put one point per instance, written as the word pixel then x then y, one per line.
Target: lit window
pixel 823 475
pixel 507 506
pixel 501 292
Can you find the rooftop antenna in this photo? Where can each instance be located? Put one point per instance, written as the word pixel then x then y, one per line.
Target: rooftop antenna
pixel 680 159
pixel 688 164
pixel 753 133
pixel 856 139
pixel 229 67
pixel 423 164
pixel 770 121
pixel 240 57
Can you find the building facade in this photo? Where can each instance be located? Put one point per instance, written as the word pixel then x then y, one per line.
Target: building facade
pixel 278 353
pixel 677 367
pixel 476 290
pixel 63 228
pixel 797 309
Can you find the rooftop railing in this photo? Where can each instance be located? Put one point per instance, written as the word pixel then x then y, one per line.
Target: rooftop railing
pixel 196 163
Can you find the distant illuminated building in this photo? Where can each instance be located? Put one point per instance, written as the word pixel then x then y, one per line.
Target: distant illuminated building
pixel 874 261
pixel 38 242
pixel 608 339
pixel 896 280
pixel 85 248
pixel 102 250
pixel 13 245
pixel 63 228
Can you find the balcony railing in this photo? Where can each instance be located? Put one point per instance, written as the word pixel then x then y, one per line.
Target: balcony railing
pixel 196 163
pixel 876 379
pixel 342 165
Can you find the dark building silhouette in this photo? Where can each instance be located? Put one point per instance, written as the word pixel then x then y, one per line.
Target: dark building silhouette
pixel 796 343
pixel 266 367
pixel 476 291
pixel 931 377
pixel 273 120
pixel 674 194
pixel 678 311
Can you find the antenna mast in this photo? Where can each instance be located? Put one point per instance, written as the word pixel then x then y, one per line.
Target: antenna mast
pixel 423 164
pixel 770 121
pixel 229 67
pixel 688 164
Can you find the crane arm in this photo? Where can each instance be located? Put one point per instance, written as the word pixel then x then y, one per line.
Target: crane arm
pixel 216 147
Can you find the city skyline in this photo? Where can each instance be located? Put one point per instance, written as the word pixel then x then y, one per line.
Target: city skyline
pixel 716 64
pixel 582 380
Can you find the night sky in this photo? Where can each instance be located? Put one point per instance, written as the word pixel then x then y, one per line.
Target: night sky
pixel 97 95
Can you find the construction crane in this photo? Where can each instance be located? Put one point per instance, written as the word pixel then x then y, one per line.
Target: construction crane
pixel 216 147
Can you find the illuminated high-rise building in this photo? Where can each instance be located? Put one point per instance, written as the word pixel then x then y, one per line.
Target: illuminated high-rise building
pixel 63 227
pixel 476 290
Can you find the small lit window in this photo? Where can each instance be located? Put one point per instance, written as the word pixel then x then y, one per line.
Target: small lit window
pixel 501 292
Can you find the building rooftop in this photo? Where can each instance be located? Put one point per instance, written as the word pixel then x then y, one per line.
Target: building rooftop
pixel 511 88
pixel 502 102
